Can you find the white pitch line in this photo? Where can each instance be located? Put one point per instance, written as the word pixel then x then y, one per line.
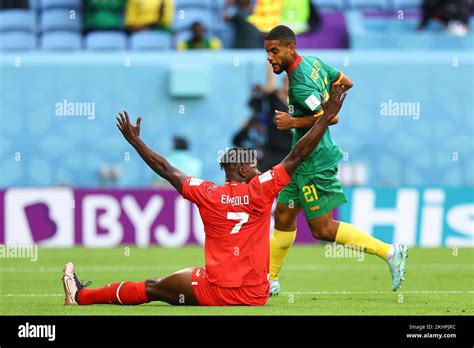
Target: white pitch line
pixel 146 268
pixel 31 295
pixel 359 265
pixel 307 293
pixel 94 268
pixel 377 292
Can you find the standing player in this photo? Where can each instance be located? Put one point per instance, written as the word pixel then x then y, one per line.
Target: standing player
pixel 236 220
pixel 314 186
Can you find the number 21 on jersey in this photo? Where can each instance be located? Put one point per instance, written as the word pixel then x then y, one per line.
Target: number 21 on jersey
pixel 309 192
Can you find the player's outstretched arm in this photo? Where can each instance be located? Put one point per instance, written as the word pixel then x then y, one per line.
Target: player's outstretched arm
pixel 306 145
pixel 155 161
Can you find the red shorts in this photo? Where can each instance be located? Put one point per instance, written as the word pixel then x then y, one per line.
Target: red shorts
pixel 208 294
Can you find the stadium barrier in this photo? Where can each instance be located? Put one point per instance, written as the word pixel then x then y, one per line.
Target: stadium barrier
pixel 65 217
pixel 399 119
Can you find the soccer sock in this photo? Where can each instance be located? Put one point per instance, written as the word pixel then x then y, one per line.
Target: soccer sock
pixel 280 244
pixel 125 293
pixel 351 236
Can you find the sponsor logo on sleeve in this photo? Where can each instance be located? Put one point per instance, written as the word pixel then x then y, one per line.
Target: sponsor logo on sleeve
pixel 195 182
pixel 265 177
pixel 312 102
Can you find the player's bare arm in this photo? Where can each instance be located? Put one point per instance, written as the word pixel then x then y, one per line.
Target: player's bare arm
pixel 286 121
pixel 306 145
pixel 155 161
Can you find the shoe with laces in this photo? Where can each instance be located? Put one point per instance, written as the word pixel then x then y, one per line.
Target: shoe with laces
pixel 72 285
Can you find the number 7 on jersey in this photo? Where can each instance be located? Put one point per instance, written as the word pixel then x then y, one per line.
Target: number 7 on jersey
pixel 242 218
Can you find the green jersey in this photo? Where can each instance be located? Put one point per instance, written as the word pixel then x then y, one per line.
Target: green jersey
pixel 309 78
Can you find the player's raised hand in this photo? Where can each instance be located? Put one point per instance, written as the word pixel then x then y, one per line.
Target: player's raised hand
pixel 129 131
pixel 333 104
pixel 283 120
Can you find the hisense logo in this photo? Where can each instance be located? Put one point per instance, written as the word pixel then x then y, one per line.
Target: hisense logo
pixel 79 109
pixel 37 331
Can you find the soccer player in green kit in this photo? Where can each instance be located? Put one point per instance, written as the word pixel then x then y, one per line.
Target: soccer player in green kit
pixel 314 187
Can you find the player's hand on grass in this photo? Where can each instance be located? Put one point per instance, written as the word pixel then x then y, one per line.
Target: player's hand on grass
pixel 283 120
pixel 333 104
pixel 129 131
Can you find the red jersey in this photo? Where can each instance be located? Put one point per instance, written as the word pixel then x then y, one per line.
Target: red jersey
pixel 236 219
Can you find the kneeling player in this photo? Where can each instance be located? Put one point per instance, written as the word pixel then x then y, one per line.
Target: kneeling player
pixel 236 219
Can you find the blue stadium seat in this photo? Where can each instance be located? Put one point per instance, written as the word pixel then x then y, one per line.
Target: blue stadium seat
pixel 335 5
pixel 65 4
pixel 192 3
pixel 17 20
pixel 61 40
pixel 17 40
pixel 219 5
pixel 383 5
pixel 150 40
pixel 34 5
pixel 106 40
pixel 60 19
pixel 183 35
pixel 185 17
pixel 407 4
pixel 226 33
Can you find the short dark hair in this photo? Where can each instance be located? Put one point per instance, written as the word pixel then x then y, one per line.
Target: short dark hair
pixel 180 143
pixel 282 33
pixel 196 24
pixel 237 156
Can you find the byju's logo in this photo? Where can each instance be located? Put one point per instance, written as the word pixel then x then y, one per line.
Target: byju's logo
pixel 39 216
pixel 42 227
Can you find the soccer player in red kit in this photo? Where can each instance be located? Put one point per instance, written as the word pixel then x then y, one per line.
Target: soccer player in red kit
pixel 236 220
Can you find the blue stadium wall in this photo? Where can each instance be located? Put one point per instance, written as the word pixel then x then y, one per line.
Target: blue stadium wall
pixel 203 96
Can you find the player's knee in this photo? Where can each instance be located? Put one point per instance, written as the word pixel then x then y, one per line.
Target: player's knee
pixel 152 287
pixel 284 219
pixel 316 233
pixel 325 230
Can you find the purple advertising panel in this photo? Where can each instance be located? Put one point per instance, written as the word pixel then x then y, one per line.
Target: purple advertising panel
pixel 65 217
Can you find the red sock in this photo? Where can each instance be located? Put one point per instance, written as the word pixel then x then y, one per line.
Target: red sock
pixel 125 293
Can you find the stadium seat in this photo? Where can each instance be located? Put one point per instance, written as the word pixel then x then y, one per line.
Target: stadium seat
pixel 185 17
pixel 183 35
pixel 407 4
pixel 334 5
pixel 65 4
pixel 218 5
pixel 34 5
pixel 17 20
pixel 226 33
pixel 150 40
pixel 61 40
pixel 17 40
pixel 60 19
pixel 382 5
pixel 192 3
pixel 106 40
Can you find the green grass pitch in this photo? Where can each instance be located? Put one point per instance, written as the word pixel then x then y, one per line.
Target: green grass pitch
pixel 438 282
